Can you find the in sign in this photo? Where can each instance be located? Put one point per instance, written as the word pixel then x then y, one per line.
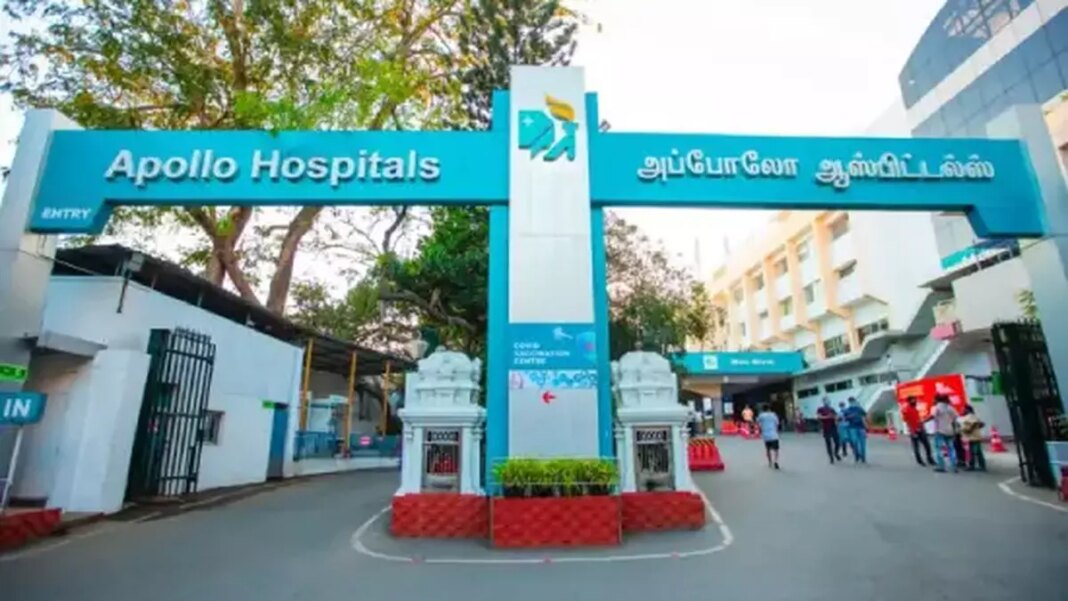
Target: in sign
pixel 19 408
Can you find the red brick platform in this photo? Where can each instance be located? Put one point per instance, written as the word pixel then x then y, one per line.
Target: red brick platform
pixel 440 516
pixel 19 526
pixel 556 522
pixel 648 511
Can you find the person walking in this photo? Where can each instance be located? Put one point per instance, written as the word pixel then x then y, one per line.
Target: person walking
pixel 843 432
pixel 945 425
pixel 917 433
pixel 855 418
pixel 747 419
pixel 971 430
pixel 828 419
pixel 769 431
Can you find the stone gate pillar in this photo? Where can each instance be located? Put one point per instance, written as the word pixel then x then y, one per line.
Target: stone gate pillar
pixel 442 426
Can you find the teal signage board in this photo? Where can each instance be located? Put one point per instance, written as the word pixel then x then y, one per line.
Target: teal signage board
pixel 991 181
pixel 87 171
pixel 739 363
pixel 21 408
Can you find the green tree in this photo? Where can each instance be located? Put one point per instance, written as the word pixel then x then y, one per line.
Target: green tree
pixel 235 64
pixel 702 317
pixel 649 297
pixel 443 284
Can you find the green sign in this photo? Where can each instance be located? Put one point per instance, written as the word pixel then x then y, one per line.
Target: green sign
pixel 13 373
pixel 268 404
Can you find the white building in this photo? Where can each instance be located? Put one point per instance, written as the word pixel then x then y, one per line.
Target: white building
pixel 92 359
pixel 848 290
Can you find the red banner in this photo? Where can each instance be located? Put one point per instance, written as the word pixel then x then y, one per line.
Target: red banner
pixel 925 390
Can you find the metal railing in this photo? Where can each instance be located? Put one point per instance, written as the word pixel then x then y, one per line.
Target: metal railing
pixel 310 445
pixel 441 460
pixel 367 445
pixel 652 459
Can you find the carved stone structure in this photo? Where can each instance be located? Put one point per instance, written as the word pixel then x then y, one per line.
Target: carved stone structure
pixel 646 391
pixel 441 405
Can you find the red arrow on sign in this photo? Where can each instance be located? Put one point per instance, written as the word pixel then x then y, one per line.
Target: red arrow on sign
pixel 547 396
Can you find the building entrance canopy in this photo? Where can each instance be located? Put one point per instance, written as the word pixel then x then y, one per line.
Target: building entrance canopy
pixel 546 171
pixel 87 172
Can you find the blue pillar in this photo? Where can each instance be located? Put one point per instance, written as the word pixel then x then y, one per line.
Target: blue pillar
pixel 600 315
pixel 497 322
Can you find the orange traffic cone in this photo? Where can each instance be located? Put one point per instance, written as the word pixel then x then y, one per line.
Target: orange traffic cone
pixel 891 433
pixel 996 444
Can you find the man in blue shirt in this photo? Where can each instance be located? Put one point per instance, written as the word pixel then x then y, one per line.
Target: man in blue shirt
pixel 769 431
pixel 854 417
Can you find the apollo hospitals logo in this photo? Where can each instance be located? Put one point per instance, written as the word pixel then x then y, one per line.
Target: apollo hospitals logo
pixel 710 362
pixel 538 131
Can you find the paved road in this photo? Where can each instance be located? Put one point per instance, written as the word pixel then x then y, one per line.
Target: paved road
pixel 889 530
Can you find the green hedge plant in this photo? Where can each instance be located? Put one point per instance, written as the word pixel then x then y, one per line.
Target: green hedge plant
pixel 533 478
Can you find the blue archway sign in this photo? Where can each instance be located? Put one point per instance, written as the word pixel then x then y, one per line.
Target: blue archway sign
pixel 546 172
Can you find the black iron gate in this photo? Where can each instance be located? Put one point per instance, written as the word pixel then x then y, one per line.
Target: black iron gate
pixel 1030 388
pixel 166 452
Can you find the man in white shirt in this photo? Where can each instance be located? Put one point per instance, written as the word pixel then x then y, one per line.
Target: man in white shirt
pixel 769 431
pixel 944 417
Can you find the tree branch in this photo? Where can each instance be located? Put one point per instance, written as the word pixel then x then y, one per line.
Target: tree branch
pixel 407 296
pixel 283 275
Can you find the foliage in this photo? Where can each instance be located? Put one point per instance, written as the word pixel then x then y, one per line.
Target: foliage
pixel 443 283
pixel 496 34
pixel 526 477
pixel 1028 306
pixel 653 303
pixel 703 318
pixel 237 64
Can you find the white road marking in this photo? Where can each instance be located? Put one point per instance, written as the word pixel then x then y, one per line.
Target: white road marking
pixel 34 550
pixel 1005 488
pixel 725 532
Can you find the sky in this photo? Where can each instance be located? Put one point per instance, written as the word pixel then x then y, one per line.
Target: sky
pixel 778 67
pixel 770 67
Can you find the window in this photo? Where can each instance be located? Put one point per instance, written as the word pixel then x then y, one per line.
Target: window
pixel 786 307
pixel 781 267
pixel 738 295
pixel 840 228
pixel 838 386
pixel 803 251
pixel 741 329
pixel 847 271
pixel 804 393
pixel 888 377
pixel 868 380
pixel 212 426
pixel 758 282
pixel 810 293
pixel 833 347
pixel 762 315
pixel 872 328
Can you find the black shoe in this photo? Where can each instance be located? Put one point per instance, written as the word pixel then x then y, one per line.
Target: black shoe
pixel 921 464
pixel 776 465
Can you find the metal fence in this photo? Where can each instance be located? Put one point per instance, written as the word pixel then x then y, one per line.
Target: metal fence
pixel 441 460
pixel 1030 388
pixel 652 459
pixel 366 445
pixel 165 458
pixel 315 445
